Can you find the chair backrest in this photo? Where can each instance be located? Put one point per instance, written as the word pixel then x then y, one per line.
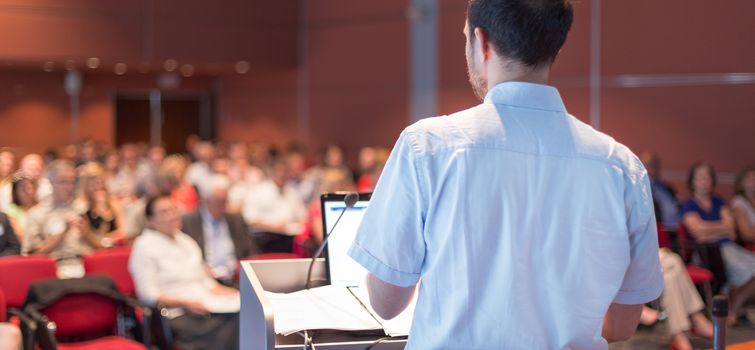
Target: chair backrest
pixel 81 314
pixel 113 263
pixel 2 306
pixel 18 272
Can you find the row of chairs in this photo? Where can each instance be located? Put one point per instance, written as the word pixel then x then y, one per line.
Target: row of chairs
pixel 75 316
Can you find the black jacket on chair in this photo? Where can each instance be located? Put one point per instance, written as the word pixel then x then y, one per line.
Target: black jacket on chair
pixel 9 244
pixel 191 224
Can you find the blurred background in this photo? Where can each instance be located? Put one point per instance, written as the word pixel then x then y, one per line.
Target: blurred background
pixel 673 77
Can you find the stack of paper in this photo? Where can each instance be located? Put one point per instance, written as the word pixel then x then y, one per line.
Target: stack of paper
pixel 328 307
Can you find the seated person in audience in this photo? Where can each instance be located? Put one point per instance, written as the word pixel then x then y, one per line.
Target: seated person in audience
pixel 7 163
pixel 32 165
pixel 9 244
pixel 275 211
pixel 184 194
pixel 663 194
pixel 55 228
pixel 680 299
pixel 709 221
pixel 223 237
pixel 310 239
pixel 743 206
pixel 122 186
pixel 168 270
pixel 103 211
pixel 198 172
pixel 24 194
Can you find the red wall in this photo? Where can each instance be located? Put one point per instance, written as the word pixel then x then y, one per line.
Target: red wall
pixel 358 69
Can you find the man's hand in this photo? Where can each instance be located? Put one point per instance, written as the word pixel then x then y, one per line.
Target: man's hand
pixel 196 307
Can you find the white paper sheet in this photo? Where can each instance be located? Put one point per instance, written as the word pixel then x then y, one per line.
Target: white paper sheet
pixel 395 327
pixel 223 304
pixel 327 307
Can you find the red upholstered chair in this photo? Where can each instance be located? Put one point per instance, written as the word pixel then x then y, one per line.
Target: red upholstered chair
pixel 16 274
pixel 113 263
pixel 79 314
pixel 699 275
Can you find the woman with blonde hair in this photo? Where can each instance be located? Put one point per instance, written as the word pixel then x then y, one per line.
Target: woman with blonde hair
pixel 102 210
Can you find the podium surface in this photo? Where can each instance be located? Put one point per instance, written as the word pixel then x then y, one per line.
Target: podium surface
pixel 257 329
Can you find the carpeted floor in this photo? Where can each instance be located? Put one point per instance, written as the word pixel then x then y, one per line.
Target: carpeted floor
pixel 656 337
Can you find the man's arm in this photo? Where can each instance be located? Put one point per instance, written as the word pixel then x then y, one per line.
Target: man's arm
pixel 388 300
pixel 621 322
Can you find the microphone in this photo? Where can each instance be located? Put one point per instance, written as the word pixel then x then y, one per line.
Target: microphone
pixel 720 310
pixel 350 200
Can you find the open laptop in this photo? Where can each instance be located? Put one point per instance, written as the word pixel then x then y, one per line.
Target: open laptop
pixel 341 269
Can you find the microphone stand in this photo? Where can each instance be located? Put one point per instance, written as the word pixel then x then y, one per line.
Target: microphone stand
pixel 350 199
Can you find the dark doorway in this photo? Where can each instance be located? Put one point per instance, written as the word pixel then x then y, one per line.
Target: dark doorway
pixel 178 116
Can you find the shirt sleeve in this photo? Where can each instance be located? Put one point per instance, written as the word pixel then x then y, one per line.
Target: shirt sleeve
pixel 688 206
pixel 144 272
pixel 390 240
pixel 33 234
pixel 643 280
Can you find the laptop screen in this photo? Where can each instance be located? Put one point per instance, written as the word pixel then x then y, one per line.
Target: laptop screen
pixel 342 270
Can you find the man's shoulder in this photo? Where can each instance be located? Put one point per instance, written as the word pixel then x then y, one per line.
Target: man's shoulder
pixel 431 134
pixel 40 210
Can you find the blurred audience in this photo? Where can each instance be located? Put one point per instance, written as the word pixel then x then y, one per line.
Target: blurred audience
pixel 32 165
pixel 7 165
pixel 710 222
pixel 663 194
pixel 9 243
pixel 102 211
pixel 24 194
pixel 275 211
pixel 55 228
pixel 223 237
pixel 168 270
pixel 743 205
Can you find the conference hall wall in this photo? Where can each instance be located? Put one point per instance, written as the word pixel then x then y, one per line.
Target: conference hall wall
pixel 676 76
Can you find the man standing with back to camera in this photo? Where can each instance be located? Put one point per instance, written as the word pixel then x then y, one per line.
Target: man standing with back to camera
pixel 527 228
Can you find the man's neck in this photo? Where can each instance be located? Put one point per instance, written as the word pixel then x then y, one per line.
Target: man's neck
pixel 506 71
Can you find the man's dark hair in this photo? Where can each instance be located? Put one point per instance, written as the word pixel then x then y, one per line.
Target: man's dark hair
pixel 529 31
pixel 149 208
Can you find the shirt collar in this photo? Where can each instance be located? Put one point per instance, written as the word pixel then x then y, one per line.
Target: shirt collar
pixel 527 95
pixel 207 217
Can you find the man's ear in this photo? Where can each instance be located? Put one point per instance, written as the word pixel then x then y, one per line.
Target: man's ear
pixel 484 43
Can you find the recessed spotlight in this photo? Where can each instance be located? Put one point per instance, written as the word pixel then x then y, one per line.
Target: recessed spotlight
pixel 242 67
pixel 170 65
pixel 93 62
pixel 70 65
pixel 120 68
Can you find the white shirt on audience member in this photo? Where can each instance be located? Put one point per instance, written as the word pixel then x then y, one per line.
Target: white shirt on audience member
pixel 266 201
pixel 161 265
pixel 521 223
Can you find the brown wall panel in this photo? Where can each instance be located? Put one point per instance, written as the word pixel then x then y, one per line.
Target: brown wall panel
pixel 358 68
pixel 678 36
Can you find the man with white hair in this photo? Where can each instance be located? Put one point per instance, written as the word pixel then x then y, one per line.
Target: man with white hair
pixel 223 237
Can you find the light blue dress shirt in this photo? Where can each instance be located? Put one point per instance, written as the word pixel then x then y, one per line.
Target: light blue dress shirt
pixel 522 224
